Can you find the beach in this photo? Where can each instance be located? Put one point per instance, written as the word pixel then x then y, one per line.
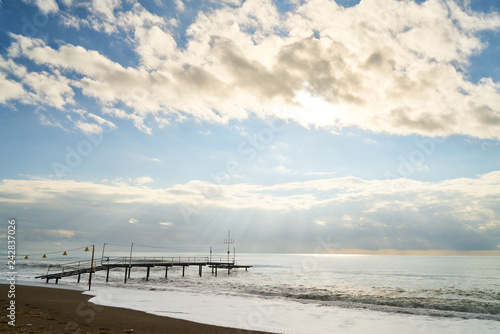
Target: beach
pixel 282 293
pixel 55 310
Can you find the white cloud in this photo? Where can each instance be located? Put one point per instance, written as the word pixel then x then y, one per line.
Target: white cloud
pixel 135 118
pixel 101 121
pixel 9 89
pixel 88 127
pixel 282 169
pixel 62 233
pixel 233 2
pixel 90 123
pixel 143 180
pixel 42 88
pixel 48 122
pixel 180 5
pixel 205 133
pixel 67 3
pixel 320 222
pixel 45 6
pixel 166 224
pixel 105 7
pixel 382 66
pixel 133 221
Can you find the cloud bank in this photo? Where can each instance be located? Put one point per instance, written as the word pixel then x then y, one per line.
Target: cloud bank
pixel 461 214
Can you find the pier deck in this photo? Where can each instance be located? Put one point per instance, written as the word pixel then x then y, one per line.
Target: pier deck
pixel 127 263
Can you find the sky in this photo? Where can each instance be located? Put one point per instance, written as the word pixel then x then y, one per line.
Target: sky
pixel 301 126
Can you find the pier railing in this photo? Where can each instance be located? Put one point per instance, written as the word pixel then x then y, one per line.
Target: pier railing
pixel 155 260
pixel 125 261
pixel 164 260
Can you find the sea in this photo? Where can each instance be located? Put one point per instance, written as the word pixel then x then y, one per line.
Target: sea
pixel 306 293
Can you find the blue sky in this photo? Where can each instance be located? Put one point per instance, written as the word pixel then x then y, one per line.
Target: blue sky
pixel 371 124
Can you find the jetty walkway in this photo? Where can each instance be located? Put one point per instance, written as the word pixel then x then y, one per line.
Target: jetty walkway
pixel 127 263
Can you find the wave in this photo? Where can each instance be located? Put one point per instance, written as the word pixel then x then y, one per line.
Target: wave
pixel 437 305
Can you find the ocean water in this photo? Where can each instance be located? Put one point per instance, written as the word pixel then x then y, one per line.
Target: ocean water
pixel 300 293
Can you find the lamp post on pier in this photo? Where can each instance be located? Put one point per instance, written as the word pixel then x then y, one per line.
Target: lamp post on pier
pixel 229 242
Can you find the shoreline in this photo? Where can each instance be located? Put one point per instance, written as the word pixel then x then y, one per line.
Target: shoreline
pixel 59 310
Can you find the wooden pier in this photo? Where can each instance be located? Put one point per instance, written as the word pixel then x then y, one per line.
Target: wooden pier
pixel 127 263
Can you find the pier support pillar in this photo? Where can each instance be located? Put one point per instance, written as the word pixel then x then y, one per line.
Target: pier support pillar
pixel 78 278
pixel 166 271
pixel 147 273
pixel 125 280
pixel 107 275
pixel 57 280
pixel 212 270
pixel 216 271
pixel 47 281
pixel 129 270
pixel 183 269
pixel 200 270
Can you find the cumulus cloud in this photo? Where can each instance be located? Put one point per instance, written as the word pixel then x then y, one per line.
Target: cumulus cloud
pixel 34 88
pixel 143 180
pixel 62 233
pixel 9 89
pixel 45 6
pixel 382 66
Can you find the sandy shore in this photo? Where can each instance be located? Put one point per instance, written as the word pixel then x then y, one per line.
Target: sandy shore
pixel 50 310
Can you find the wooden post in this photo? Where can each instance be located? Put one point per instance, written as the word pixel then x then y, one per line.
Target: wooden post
pixel 47 281
pixel 78 278
pixel 200 270
pixel 216 271
pixel 102 256
pixel 183 268
pixel 125 281
pixel 147 274
pixel 57 280
pixel 166 271
pixel 130 262
pixel 212 270
pixel 91 267
pixel 107 275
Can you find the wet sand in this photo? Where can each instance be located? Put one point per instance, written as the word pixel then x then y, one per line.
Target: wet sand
pixel 52 310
